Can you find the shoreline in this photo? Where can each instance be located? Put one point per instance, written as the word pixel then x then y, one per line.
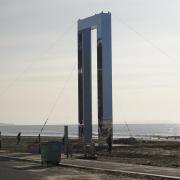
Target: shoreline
pixel 138 137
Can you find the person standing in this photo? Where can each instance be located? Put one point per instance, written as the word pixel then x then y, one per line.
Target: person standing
pixel 109 143
pixel 18 138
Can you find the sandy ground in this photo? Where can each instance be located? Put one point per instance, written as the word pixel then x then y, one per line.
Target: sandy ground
pixel 164 153
pixel 153 153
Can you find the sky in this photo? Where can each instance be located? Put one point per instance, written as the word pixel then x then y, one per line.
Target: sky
pixel 38 60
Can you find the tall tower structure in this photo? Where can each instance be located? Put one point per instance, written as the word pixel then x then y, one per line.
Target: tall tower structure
pixel 101 22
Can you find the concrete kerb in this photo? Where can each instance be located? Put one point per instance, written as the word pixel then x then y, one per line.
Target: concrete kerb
pixel 20 159
pixel 109 171
pixel 125 173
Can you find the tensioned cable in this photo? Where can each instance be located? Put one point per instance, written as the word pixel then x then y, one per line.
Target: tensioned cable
pixel 126 124
pixel 38 59
pixel 59 95
pixel 146 39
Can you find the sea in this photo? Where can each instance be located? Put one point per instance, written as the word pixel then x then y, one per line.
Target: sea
pixel 119 130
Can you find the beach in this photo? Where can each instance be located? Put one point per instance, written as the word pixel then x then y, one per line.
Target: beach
pixel 130 159
pixel 162 152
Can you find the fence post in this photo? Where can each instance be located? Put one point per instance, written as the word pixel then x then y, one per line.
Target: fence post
pixel 66 142
pixel 0 141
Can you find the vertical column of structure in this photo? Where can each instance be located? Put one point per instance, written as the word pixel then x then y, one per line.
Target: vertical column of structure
pixel 100 87
pixel 85 91
pixel 104 56
pixel 80 86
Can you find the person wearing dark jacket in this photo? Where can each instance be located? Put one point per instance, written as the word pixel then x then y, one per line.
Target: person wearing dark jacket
pixel 18 138
pixel 109 142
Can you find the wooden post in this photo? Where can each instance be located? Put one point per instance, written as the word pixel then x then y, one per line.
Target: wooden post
pixel 39 141
pixel 0 141
pixel 66 142
pixel 39 138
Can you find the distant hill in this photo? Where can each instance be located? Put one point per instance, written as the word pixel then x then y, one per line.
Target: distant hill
pixel 6 124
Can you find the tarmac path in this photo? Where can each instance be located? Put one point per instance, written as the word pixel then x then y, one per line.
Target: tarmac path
pixel 77 169
pixel 9 171
pixel 18 170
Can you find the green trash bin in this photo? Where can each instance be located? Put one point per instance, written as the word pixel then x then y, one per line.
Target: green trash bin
pixel 50 152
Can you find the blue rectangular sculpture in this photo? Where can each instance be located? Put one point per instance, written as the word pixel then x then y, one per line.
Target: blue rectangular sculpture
pixel 101 22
